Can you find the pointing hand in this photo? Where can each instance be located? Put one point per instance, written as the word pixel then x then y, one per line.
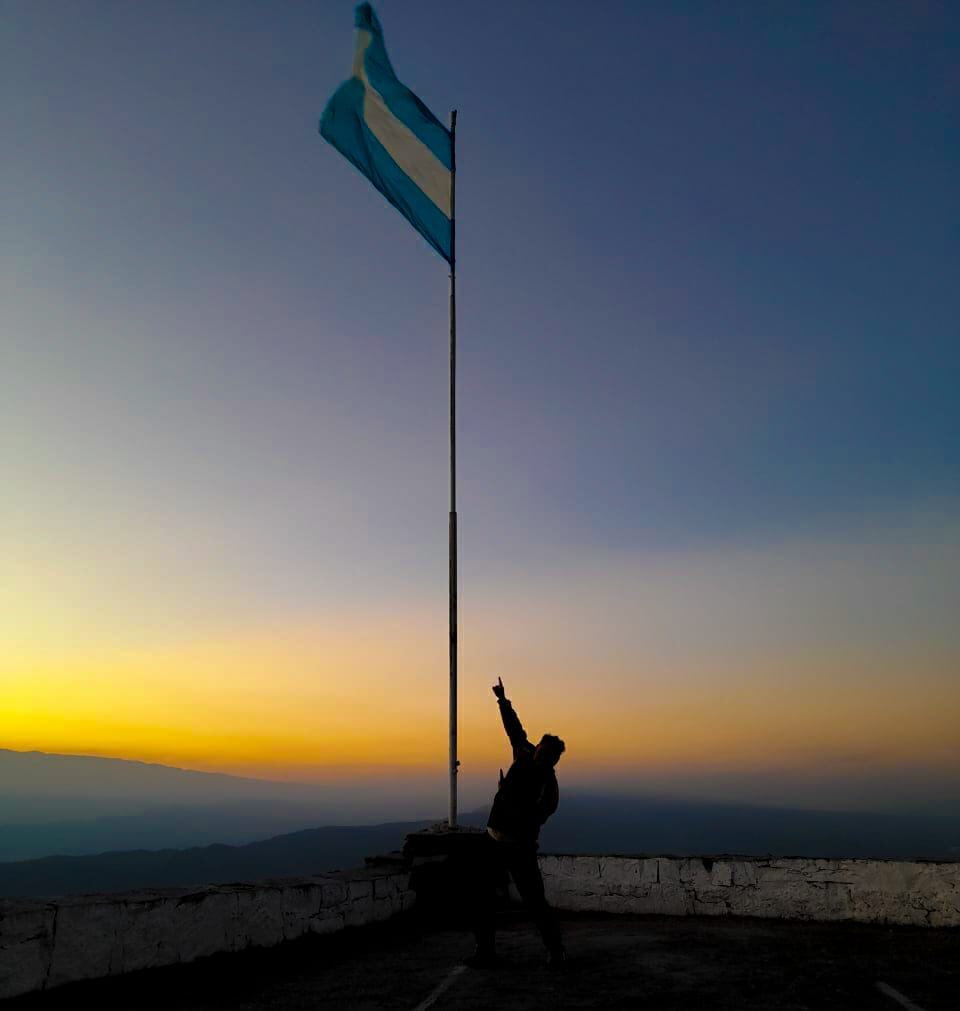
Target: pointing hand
pixel 499 690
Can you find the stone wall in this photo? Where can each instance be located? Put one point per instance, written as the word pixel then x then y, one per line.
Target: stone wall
pixel 872 891
pixel 44 944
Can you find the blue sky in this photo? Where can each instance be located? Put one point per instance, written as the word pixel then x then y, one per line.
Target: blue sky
pixel 708 299
pixel 708 263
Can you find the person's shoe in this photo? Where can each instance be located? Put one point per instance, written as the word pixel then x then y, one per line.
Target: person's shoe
pixel 557 960
pixel 481 960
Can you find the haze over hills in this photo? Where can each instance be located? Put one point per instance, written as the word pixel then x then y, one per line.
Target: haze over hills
pixel 311 851
pixel 36 787
pixel 584 824
pixel 76 823
pixel 67 804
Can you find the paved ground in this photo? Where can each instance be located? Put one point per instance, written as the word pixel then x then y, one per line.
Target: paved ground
pixel 649 962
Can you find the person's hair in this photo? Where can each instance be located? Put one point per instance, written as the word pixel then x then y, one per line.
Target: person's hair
pixel 554 744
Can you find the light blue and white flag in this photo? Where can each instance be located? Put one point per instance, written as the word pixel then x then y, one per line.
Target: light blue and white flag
pixel 392 137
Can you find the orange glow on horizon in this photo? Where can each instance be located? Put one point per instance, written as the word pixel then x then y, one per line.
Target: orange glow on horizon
pixel 245 704
pixel 633 674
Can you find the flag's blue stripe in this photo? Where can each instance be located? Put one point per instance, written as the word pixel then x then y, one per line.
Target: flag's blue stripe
pixel 399 99
pixel 342 125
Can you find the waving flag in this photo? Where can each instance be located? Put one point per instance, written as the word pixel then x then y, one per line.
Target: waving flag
pixel 392 137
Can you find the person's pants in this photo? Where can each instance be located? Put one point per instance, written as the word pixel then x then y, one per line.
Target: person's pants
pixel 519 861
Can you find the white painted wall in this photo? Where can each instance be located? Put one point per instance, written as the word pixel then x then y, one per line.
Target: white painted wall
pixel 44 944
pixel 871 891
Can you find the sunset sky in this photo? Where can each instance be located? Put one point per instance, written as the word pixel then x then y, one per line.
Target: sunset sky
pixel 709 421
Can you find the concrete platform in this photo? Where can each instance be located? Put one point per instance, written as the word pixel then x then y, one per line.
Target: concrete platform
pixel 652 962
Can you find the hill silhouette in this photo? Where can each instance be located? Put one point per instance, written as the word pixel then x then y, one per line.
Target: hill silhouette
pixel 584 824
pixel 311 851
pixel 59 805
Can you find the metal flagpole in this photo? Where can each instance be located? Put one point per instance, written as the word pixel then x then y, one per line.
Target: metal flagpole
pixel 452 819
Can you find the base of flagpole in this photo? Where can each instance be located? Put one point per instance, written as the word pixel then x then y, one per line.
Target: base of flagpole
pixel 443 863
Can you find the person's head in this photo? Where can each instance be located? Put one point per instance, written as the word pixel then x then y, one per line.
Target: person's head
pixel 549 750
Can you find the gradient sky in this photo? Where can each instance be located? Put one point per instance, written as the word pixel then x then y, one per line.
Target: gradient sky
pixel 709 423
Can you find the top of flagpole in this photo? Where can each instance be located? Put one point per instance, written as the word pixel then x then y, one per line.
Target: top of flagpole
pixel 453 191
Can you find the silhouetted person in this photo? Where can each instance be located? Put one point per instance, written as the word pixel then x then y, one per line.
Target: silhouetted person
pixel 526 798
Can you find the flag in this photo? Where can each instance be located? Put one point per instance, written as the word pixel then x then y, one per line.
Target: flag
pixel 392 137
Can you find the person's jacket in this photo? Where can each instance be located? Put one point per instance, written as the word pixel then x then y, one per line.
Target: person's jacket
pixel 528 794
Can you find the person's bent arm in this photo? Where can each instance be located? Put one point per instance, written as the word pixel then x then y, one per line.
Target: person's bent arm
pixel 548 800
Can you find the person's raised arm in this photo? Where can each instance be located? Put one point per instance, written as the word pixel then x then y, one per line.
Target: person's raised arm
pixel 511 722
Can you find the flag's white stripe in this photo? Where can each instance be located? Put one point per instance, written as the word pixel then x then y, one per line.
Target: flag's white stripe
pixel 413 157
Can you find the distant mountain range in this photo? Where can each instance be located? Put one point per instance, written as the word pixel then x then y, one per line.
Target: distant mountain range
pixel 222 828
pixel 595 823
pixel 312 851
pixel 584 824
pixel 76 805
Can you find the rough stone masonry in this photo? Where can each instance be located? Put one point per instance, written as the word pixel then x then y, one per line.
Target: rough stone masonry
pixel 46 943
pixel 919 893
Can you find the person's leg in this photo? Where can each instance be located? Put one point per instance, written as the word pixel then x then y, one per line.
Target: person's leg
pixel 485 899
pixel 525 870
